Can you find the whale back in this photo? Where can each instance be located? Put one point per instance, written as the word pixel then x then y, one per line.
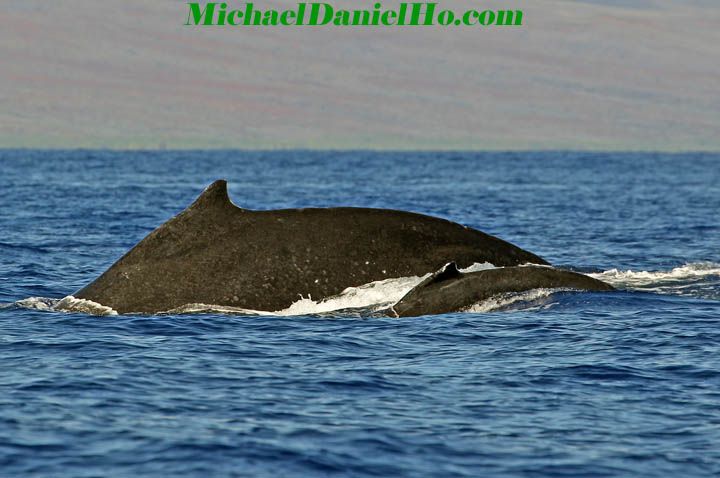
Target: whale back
pixel 216 253
pixel 449 290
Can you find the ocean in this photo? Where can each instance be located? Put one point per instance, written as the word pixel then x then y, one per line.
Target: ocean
pixel 540 384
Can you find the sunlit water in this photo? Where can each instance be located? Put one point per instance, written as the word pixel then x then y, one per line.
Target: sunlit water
pixel 545 383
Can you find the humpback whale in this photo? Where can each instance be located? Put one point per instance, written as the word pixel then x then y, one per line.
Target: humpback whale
pixel 450 290
pixel 216 253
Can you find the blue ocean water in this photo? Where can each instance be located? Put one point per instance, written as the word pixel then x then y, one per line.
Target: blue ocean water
pixel 562 384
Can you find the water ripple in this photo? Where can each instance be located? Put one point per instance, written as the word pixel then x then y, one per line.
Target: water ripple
pixel 543 385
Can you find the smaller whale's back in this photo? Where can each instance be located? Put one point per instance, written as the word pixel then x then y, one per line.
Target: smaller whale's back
pixel 449 290
pixel 217 253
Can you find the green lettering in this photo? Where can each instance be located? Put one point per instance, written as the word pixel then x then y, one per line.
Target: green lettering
pixel 315 9
pixel 470 18
pixel 204 16
pixel 271 18
pixel 402 14
pixel 389 17
pixel 361 17
pixel 252 16
pixel 487 17
pixel 233 17
pixel 221 14
pixel 508 17
pixel 286 17
pixel 417 13
pixel 446 17
pixel 342 18
pixel 376 14
pixel 301 13
pixel 320 14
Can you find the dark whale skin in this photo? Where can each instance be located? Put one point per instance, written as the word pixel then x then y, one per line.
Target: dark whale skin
pixel 450 290
pixel 219 254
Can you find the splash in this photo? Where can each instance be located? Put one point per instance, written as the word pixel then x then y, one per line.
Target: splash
pixel 371 297
pixel 374 296
pixel 687 272
pixel 477 267
pixel 528 300
pixel 36 303
pixel 200 308
pixel 696 279
pixel 66 304
pixel 72 304
pixel 700 279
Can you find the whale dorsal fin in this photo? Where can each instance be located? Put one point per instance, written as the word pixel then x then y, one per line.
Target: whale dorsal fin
pixel 214 195
pixel 449 271
pixel 213 200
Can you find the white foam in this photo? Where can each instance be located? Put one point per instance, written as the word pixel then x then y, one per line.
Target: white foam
pixel 199 308
pixel 643 279
pixel 477 267
pixel 73 304
pixel 66 304
pixel 383 294
pixel 503 301
pixel 375 296
pixel 37 303
pixel 372 297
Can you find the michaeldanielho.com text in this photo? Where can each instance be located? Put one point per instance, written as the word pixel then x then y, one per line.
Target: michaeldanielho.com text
pixel 320 14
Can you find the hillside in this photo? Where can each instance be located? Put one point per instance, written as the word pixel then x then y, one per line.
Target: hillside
pixel 580 75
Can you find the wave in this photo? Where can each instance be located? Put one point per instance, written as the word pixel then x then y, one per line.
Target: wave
pixel 695 279
pixel 66 304
pixel 528 300
pixel 700 279
pixel 372 297
pixel 72 304
pixel 630 278
pixel 35 303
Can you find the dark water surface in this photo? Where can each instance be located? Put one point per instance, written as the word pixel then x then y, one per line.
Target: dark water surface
pixel 565 384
